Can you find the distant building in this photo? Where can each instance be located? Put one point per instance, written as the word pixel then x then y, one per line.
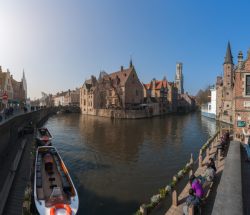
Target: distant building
pixel 5 83
pixel 16 91
pixel 209 109
pixel 163 93
pixel 118 90
pixel 172 96
pixel 179 79
pixel 19 94
pixel 24 85
pixel 59 99
pixel 186 103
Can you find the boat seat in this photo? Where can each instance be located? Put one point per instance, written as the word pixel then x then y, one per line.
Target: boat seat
pixel 39 182
pixel 38 167
pixel 66 184
pixel 52 186
pixel 38 174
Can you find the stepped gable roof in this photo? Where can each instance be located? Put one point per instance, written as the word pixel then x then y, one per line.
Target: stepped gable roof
pixel 229 57
pixel 147 86
pixel 160 84
pixel 122 75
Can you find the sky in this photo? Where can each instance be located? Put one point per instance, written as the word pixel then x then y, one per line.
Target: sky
pixel 61 43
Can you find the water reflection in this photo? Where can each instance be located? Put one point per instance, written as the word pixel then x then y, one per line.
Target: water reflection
pixel 118 164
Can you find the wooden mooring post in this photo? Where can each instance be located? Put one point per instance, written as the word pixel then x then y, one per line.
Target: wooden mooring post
pixel 174 198
pixel 200 158
pixel 143 210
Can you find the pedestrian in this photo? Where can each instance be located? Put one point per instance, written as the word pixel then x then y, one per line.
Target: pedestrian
pixel 196 186
pixel 212 164
pixel 192 200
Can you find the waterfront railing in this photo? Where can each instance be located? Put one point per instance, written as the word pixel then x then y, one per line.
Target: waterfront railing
pixel 191 166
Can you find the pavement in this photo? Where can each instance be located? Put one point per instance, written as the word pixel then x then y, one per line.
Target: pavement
pixel 15 113
pixel 13 205
pixel 245 172
pixel 229 195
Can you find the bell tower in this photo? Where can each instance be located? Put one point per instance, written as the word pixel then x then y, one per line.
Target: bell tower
pixel 179 78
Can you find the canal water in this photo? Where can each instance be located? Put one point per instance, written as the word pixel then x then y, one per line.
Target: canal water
pixel 116 165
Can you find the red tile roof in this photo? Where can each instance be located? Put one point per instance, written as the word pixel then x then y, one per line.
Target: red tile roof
pixel 121 74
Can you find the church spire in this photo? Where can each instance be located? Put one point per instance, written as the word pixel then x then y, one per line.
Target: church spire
pixel 229 57
pixel 130 63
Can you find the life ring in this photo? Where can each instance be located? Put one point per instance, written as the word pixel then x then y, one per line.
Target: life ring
pixel 60 206
pixel 45 138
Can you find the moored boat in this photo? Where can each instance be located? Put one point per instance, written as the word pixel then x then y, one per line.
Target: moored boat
pixel 54 191
pixel 43 137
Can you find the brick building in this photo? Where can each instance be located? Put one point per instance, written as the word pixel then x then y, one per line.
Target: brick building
pixel 233 92
pixel 225 89
pixel 242 93
pixel 16 91
pixel 156 92
pixel 118 90
pixel 163 93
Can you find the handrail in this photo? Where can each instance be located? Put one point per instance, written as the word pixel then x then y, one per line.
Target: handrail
pixel 171 188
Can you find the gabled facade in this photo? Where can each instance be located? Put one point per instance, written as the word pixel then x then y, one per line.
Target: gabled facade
pixel 157 91
pixel 19 94
pixel 118 90
pixel 6 83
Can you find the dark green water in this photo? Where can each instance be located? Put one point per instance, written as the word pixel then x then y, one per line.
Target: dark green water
pixel 117 165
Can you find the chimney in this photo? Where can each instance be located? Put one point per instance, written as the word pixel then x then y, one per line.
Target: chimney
pixel 121 68
pixel 240 59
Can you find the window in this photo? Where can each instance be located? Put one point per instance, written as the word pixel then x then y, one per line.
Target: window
pixel 248 85
pixel 136 92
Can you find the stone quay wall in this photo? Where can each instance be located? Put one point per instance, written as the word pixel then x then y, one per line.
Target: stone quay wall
pixel 120 114
pixel 10 129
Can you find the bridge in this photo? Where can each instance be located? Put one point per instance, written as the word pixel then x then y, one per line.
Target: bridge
pixel 69 109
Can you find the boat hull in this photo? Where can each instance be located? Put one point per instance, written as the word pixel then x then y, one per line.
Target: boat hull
pixel 68 198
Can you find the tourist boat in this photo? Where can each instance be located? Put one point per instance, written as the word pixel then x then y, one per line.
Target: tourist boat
pixel 54 191
pixel 43 137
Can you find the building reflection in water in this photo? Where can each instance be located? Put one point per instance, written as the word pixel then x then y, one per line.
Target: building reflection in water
pixel 121 163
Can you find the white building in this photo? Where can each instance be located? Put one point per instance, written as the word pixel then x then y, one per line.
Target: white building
pixel 59 99
pixel 209 109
